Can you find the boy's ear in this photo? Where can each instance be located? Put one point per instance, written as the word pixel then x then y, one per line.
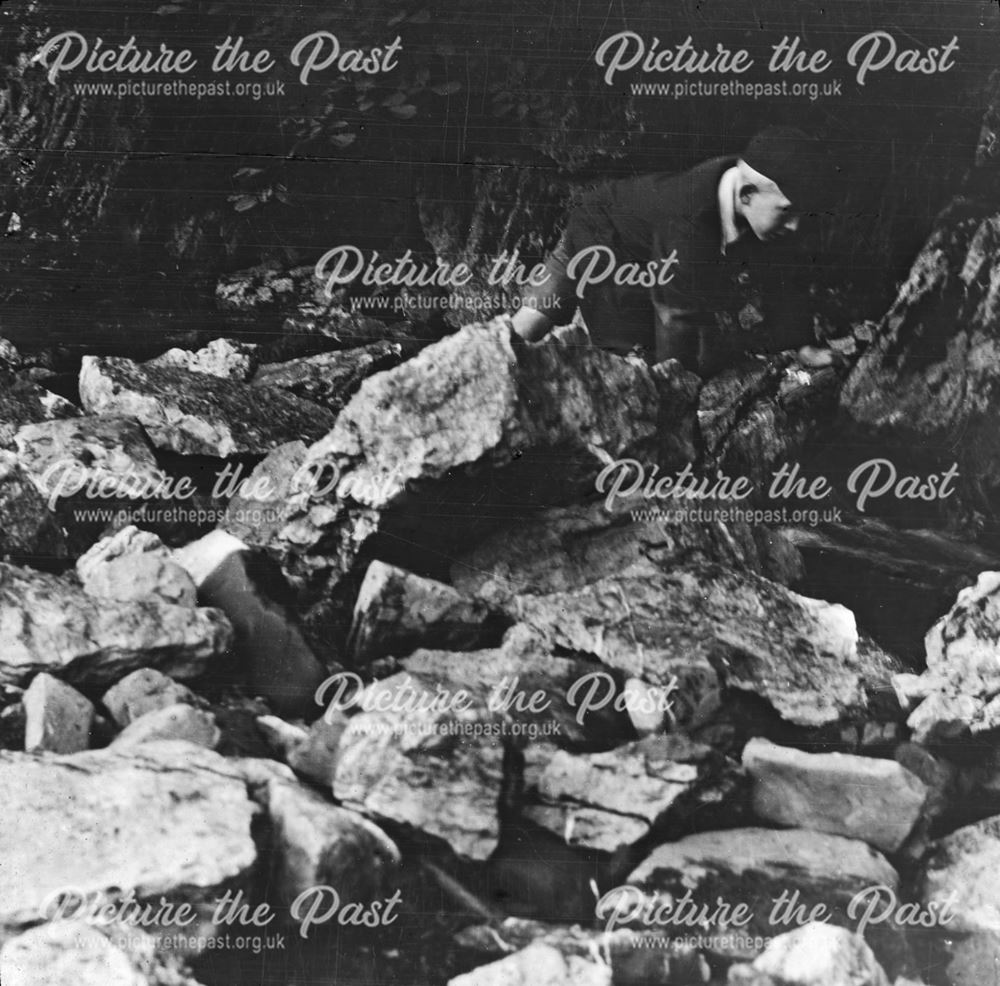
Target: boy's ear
pixel 747 191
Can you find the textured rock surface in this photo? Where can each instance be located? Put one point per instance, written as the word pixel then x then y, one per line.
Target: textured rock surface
pixel 220 358
pixel 800 654
pixel 174 722
pixel 755 867
pixel 610 800
pixel 959 693
pixel 58 719
pixel 877 801
pixel 75 953
pixel 169 819
pixel 198 413
pixel 23 402
pixel 136 577
pixel 101 457
pixel 963 872
pixel 537 965
pixel 141 692
pixel 28 528
pixel 924 389
pixel 129 540
pixel 438 770
pixel 396 612
pixel 475 398
pixel 814 955
pixel 48 624
pixel 330 379
pixel 569 547
pixel 280 664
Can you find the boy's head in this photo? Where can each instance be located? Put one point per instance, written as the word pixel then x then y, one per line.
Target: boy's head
pixel 782 174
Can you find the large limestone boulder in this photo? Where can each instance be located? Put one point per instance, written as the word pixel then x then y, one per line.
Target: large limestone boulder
pixel 169 819
pixel 49 624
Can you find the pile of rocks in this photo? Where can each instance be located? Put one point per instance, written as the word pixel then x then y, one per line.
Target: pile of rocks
pixel 619 745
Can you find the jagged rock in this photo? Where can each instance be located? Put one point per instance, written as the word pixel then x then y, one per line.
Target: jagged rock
pixel 58 719
pixel 538 965
pixel 10 358
pixel 610 800
pixel 569 547
pixel 23 402
pixel 877 801
pixel 816 954
pixel 800 654
pixel 636 957
pixel 438 770
pixel 77 953
pixel 141 692
pixel 928 378
pixel 330 379
pixel 165 819
pixel 778 876
pixel 28 528
pixel 962 878
pixel 174 722
pixel 263 286
pixel 129 540
pixel 197 413
pixel 48 624
pixel 320 844
pixel 475 399
pixel 280 664
pixel 281 736
pixel 101 458
pixel 959 693
pixel 396 612
pixel 220 358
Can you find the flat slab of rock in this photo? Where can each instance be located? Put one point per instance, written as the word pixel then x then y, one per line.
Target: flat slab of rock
pixel 816 954
pixel 959 693
pixel 58 719
pixel 49 624
pixel 538 965
pixel 800 654
pixel 198 413
pixel 877 801
pixel 609 800
pixel 437 770
pixel 778 876
pixel 220 358
pixel 166 819
pixel 397 611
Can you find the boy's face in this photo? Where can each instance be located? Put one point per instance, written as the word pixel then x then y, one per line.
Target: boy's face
pixel 765 208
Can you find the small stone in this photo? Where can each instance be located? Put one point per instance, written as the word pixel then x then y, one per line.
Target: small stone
pixel 142 692
pixel 58 719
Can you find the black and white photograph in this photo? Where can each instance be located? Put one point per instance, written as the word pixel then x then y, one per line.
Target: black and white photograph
pixel 499 493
